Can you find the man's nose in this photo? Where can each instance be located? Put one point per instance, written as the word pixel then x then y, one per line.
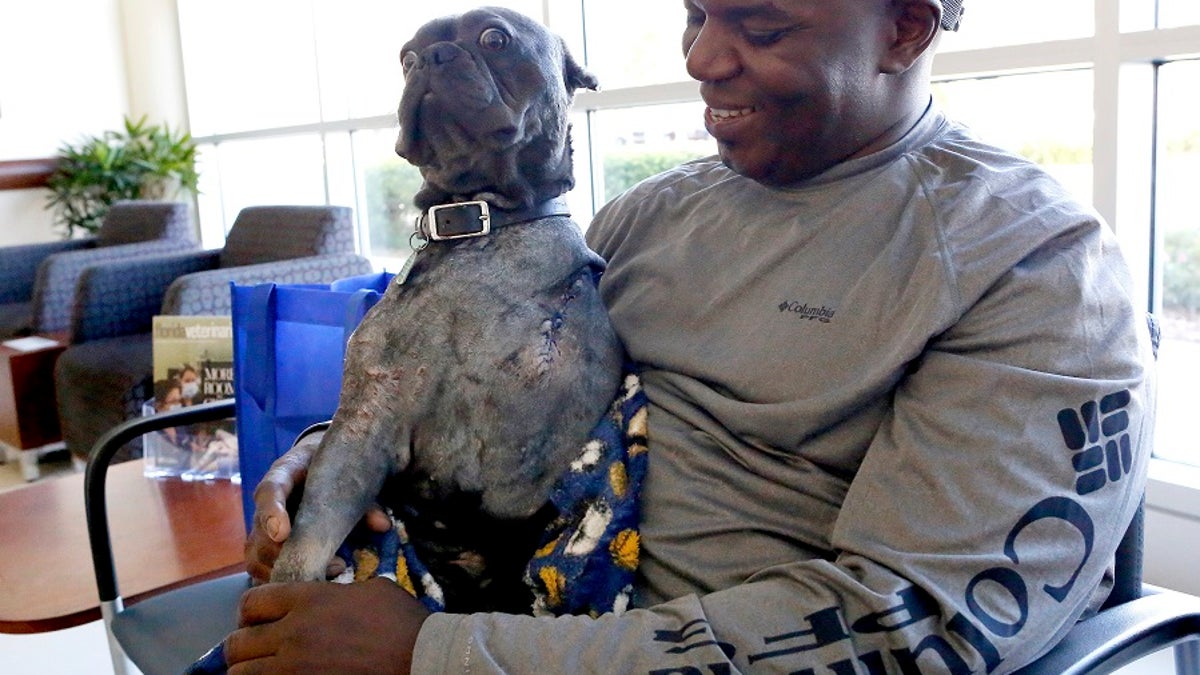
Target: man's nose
pixel 711 55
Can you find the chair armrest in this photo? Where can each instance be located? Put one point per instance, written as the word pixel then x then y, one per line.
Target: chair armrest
pixel 19 265
pixel 54 290
pixel 208 292
pixel 1122 634
pixel 121 297
pixel 95 502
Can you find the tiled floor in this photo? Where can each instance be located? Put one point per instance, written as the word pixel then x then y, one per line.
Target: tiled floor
pixel 77 651
pixel 82 650
pixel 50 465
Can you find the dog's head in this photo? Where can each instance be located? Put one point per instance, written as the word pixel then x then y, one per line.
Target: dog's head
pixel 484 113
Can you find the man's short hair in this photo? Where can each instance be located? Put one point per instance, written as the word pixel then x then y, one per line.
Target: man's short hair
pixel 951 14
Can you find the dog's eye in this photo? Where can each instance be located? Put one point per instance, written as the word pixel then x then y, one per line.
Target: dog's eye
pixel 493 39
pixel 408 60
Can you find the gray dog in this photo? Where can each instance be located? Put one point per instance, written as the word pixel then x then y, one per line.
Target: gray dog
pixel 478 376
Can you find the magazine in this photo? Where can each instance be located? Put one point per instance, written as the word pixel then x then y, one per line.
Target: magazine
pixel 193 363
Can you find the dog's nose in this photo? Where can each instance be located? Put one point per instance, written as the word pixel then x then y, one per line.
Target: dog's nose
pixel 442 52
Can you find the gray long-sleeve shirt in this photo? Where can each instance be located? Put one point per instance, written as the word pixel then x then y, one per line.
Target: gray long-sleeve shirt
pixel 900 417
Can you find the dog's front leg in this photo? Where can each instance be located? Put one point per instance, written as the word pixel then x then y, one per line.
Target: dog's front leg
pixel 345 478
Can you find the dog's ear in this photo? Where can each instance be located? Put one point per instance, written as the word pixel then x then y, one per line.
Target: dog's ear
pixel 574 74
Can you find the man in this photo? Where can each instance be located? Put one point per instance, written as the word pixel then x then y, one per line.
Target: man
pixel 900 405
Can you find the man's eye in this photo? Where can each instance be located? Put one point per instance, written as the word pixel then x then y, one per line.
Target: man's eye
pixel 765 37
pixel 493 39
pixel 760 38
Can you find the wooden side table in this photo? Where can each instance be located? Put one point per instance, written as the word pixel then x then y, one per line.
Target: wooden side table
pixel 166 533
pixel 28 407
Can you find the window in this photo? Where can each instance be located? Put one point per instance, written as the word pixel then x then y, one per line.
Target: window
pixel 1173 13
pixel 630 144
pixel 388 184
pixel 1177 228
pixel 1058 137
pixel 993 23
pixel 295 100
pixel 650 50
pixel 255 72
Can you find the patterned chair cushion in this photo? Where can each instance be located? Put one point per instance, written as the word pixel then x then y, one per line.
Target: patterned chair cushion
pixel 269 233
pixel 18 265
pixel 99 385
pixel 58 275
pixel 104 377
pixel 132 221
pixel 46 275
pixel 208 292
pixel 121 297
pixel 110 352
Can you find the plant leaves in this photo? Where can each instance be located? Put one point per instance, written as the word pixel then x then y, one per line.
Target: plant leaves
pixel 117 164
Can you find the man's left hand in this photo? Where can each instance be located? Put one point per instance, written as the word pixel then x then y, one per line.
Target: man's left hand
pixel 315 627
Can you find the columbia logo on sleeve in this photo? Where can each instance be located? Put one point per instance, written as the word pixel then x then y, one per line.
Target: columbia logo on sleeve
pixel 1098 436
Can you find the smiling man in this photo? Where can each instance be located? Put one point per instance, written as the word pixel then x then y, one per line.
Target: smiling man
pixel 900 391
pixel 794 88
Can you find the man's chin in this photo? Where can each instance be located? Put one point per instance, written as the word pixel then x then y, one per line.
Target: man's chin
pixel 772 173
pixel 740 165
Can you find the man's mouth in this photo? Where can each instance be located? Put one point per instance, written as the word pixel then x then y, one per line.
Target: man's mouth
pixel 724 114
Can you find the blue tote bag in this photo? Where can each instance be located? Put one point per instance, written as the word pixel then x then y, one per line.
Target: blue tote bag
pixel 289 343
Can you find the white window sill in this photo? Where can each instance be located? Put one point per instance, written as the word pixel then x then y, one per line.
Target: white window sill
pixel 1174 488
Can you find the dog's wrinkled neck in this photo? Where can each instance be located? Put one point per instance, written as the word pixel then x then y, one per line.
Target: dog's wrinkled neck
pixel 530 175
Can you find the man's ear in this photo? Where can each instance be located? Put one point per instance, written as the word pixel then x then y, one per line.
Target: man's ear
pixel 916 26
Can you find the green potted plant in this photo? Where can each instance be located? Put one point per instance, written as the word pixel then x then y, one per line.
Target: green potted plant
pixel 140 161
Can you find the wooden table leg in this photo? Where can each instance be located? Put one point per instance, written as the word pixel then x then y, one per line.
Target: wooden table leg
pixel 28 406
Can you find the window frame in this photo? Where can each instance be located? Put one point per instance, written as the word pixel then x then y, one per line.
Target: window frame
pixel 1124 66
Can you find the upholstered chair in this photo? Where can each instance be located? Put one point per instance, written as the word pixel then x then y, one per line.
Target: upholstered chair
pixel 105 376
pixel 37 281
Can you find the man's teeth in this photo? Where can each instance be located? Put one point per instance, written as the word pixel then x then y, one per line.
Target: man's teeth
pixel 720 114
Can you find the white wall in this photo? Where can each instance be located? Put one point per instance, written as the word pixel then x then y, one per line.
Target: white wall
pixel 62 77
pixel 154 64
pixel 1172 548
pixel 23 217
pixel 71 68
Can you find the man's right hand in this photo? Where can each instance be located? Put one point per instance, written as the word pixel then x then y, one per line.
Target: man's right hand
pixel 272 523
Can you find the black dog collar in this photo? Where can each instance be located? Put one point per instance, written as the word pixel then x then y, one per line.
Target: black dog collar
pixel 462 220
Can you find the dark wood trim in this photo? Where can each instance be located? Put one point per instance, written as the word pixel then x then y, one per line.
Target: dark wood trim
pixel 22 174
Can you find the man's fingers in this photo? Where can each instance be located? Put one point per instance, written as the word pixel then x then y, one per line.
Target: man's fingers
pixel 271 602
pixel 259 563
pixel 278 485
pixel 376 520
pixel 318 627
pixel 258 636
pixel 335 567
pixel 278 527
pixel 251 642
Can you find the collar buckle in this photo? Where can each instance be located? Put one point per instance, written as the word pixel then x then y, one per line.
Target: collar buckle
pixel 462 220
